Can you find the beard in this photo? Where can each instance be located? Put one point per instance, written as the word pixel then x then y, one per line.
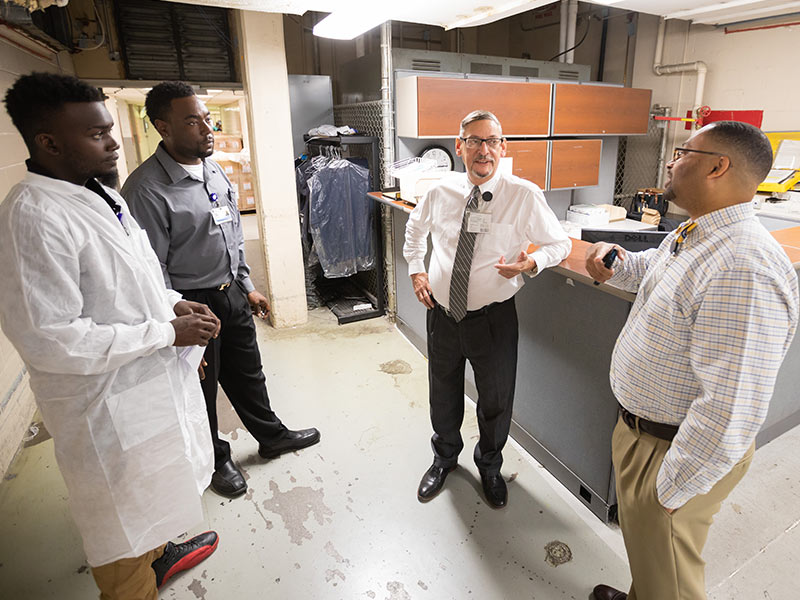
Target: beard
pixel 109 178
pixel 204 151
pixel 669 193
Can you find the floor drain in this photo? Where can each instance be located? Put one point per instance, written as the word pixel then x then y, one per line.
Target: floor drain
pixel 557 553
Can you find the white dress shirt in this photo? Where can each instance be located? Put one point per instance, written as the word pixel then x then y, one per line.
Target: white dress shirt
pixel 84 303
pixel 703 343
pixel 520 216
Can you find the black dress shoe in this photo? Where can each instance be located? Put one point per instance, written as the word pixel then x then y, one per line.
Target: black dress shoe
pixel 604 592
pixel 227 480
pixel 294 440
pixel 432 482
pixel 495 490
pixel 179 557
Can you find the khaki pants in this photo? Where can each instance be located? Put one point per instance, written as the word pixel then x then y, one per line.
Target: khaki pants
pixel 664 550
pixel 128 578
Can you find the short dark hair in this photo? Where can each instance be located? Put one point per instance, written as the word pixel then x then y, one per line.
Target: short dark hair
pixel 33 99
pixel 747 144
pixel 159 99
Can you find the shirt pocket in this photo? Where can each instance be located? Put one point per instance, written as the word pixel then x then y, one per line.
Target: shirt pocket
pixel 143 411
pixel 501 241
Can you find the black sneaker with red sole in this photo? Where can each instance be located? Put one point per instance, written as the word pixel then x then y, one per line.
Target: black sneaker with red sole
pixel 180 557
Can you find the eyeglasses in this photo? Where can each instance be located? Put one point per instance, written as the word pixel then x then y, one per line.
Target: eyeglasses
pixel 681 152
pixel 475 142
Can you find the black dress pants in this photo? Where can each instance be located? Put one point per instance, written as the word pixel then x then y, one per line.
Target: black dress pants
pixel 488 339
pixel 235 362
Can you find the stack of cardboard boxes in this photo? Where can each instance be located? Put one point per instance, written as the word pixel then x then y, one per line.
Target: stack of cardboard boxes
pixel 238 171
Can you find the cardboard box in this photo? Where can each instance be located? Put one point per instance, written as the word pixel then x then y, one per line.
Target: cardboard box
pixel 231 169
pixel 224 142
pixel 246 184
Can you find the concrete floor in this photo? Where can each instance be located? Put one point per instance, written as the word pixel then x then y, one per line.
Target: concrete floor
pixel 341 520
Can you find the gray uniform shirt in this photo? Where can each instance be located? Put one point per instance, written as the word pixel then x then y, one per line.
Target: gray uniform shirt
pixel 175 210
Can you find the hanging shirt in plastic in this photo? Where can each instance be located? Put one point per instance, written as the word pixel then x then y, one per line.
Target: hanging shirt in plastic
pixel 341 217
pixel 84 303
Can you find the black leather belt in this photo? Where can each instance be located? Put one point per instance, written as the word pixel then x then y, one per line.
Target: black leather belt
pixel 660 430
pixel 473 313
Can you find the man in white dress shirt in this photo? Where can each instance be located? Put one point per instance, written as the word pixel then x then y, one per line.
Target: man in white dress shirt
pixel 84 304
pixel 481 224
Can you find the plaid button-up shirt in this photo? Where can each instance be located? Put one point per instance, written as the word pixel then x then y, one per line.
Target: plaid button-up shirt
pixel 703 343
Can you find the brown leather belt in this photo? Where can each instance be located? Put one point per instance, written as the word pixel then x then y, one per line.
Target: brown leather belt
pixel 660 430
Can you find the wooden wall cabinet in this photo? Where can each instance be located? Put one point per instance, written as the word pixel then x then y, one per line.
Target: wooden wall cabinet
pixel 433 107
pixel 574 163
pixel 530 160
pixel 600 110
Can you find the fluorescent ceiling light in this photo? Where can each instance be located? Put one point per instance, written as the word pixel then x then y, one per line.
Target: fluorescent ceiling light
pixel 746 15
pixel 214 91
pixel 347 24
pixel 683 14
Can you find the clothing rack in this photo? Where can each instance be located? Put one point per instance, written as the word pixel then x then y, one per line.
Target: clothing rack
pixel 370 283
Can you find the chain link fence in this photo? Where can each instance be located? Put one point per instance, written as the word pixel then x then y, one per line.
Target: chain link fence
pixel 366 119
pixel 639 160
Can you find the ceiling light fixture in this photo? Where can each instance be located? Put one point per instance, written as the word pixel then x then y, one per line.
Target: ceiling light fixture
pixel 346 24
pixel 719 6
pixel 747 14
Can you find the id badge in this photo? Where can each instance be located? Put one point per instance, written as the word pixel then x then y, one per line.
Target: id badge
pixel 221 214
pixel 478 222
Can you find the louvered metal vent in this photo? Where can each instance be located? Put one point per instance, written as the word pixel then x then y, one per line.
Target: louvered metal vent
pixel 421 64
pixel 571 75
pixel 485 68
pixel 164 40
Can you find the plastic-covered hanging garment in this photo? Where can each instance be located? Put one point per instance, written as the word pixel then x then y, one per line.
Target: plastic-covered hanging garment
pixel 340 218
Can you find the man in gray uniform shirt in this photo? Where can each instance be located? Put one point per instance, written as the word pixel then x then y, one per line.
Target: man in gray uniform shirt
pixel 188 207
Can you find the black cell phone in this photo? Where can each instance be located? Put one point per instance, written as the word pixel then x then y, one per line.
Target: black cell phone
pixel 608 260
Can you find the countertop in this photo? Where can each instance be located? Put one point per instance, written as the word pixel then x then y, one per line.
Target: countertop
pixel 574 265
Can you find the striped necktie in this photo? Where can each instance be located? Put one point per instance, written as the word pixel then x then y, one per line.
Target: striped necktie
pixel 459 282
pixel 680 235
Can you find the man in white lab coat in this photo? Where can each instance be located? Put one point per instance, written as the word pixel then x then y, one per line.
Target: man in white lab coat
pixel 84 304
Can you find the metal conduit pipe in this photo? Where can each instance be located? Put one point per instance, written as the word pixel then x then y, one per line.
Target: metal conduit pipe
pixel 562 34
pixel 572 20
pixel 387 158
pixel 697 66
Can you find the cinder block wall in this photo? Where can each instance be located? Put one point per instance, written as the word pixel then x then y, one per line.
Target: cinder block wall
pixel 18 56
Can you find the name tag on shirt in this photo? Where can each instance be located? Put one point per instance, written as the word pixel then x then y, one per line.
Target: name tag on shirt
pixel 478 222
pixel 221 214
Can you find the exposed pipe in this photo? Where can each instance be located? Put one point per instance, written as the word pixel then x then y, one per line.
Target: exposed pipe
pixel 387 158
pixel 697 66
pixel 662 154
pixel 572 21
pixel 601 62
pixel 562 34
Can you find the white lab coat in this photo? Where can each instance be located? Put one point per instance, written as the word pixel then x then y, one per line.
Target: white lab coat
pixel 85 306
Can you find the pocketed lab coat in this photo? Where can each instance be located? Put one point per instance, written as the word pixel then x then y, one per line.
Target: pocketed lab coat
pixel 85 306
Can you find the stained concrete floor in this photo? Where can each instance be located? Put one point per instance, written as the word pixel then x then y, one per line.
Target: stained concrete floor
pixel 340 520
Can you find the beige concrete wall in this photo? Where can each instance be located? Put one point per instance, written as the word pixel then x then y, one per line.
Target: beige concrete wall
pixel 746 71
pixel 266 82
pixel 16 400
